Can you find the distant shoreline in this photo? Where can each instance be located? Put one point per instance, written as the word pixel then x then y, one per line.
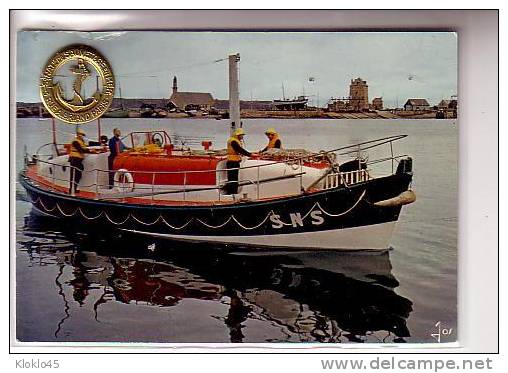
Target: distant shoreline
pixel 303 114
pixel 321 114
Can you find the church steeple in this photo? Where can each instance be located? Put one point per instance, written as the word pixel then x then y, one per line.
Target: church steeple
pixel 175 86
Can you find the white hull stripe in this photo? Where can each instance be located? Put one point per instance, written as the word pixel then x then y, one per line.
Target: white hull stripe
pixel 368 237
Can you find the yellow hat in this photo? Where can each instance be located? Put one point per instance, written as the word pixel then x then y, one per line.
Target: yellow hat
pixel 79 131
pixel 270 131
pixel 239 132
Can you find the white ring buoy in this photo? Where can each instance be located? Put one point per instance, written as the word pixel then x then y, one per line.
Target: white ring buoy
pixel 123 181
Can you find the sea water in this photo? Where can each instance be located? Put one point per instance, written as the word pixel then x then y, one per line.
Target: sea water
pixel 77 285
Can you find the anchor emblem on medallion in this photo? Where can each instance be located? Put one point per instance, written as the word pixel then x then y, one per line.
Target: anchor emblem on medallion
pixel 85 62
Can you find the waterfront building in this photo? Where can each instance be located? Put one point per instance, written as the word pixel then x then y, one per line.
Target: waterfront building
pixel 357 101
pixel 416 104
pixel 377 103
pixel 190 100
pixel 358 95
pixel 448 108
pixel 337 105
pixel 444 105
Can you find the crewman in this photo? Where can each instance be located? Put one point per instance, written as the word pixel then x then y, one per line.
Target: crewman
pixel 116 146
pixel 235 152
pixel 273 140
pixel 103 140
pixel 76 156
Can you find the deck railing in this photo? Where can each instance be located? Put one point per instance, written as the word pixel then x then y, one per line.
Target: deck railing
pixel 332 178
pixel 151 190
pixel 338 179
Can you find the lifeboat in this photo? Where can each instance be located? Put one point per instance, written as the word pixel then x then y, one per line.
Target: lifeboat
pixel 290 198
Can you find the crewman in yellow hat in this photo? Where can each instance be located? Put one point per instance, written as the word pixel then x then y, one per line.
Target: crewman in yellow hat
pixel 273 140
pixel 235 152
pixel 76 156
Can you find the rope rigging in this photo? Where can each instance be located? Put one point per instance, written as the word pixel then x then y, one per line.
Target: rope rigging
pixel 153 73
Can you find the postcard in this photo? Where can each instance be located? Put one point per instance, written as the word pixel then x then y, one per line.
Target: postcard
pixel 236 187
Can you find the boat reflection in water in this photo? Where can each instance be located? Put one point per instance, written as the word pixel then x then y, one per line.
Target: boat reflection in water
pixel 309 296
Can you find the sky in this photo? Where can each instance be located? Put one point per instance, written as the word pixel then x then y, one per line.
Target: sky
pixel 396 65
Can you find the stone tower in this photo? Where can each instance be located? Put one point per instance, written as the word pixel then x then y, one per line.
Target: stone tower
pixel 175 85
pixel 359 95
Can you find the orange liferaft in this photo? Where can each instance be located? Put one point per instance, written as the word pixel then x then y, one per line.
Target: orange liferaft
pixel 151 168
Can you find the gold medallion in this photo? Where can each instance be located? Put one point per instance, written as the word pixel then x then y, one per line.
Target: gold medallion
pixel 73 67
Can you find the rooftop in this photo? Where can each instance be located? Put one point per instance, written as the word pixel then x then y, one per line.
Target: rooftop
pixel 417 102
pixel 181 99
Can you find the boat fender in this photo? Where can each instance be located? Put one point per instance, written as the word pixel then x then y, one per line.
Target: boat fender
pixel 404 198
pixel 125 185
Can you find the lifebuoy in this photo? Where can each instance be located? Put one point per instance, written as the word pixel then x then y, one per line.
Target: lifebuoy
pixel 123 181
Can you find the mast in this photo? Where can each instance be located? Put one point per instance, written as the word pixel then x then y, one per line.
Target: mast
pixel 53 130
pixel 99 118
pixel 234 94
pixel 283 93
pixel 121 98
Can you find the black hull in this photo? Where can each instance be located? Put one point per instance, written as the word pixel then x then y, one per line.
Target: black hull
pixel 328 210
